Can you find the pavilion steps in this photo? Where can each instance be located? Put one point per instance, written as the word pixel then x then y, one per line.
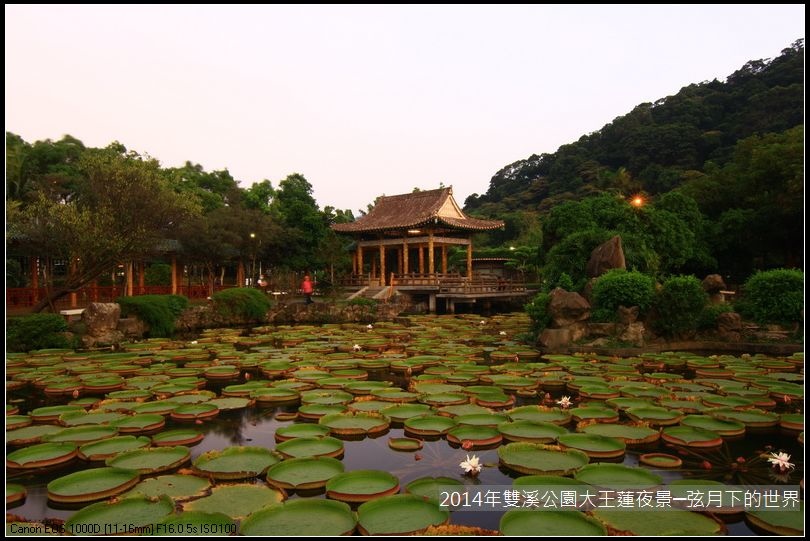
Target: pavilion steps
pixel 373 292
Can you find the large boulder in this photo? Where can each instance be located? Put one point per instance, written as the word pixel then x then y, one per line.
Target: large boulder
pixel 554 340
pixel 101 325
pixel 567 307
pixel 729 326
pixel 608 255
pixel 633 333
pixel 627 315
pixel 713 283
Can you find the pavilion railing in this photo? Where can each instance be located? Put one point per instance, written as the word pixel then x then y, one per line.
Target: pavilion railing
pixel 26 297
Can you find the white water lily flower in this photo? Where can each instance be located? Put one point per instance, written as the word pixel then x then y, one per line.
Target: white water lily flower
pixel 357 347
pixel 565 402
pixel 482 322
pixel 472 466
pixel 502 333
pixel 781 461
pixel 193 341
pixel 369 326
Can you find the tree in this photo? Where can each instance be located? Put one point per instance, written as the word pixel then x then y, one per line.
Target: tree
pixel 121 206
pixel 302 222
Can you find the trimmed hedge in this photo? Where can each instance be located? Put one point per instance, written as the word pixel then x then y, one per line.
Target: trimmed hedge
pixel 619 287
pixel 37 331
pixel 774 296
pixel 679 305
pixel 242 303
pixel 157 311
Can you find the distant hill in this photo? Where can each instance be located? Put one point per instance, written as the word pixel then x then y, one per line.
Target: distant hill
pixel 657 146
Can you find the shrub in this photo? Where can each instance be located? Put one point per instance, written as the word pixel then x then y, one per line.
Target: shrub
pixel 37 331
pixel 565 282
pixel 708 316
pixel 538 311
pixel 679 305
pixel 157 311
pixel 362 301
pixel 774 296
pixel 242 303
pixel 619 287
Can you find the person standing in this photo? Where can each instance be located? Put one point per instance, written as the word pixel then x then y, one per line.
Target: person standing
pixel 307 289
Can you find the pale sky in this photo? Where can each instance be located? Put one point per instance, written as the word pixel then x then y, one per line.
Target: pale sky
pixel 363 100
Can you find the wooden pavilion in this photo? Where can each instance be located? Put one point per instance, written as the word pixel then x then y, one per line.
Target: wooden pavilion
pixel 403 243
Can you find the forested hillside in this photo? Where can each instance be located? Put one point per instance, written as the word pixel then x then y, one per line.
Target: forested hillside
pixel 735 147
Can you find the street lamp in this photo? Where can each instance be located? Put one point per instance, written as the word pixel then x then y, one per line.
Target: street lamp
pixel 253 258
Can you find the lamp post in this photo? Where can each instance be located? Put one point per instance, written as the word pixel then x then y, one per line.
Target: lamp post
pixel 253 258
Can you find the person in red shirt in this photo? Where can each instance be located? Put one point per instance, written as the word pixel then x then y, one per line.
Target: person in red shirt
pixel 307 289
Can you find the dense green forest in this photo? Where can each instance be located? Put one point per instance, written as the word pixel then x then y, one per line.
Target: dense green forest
pixel 735 149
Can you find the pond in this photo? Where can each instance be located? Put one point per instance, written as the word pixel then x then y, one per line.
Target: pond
pixel 441 390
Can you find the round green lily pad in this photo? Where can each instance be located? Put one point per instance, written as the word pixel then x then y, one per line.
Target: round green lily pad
pixel 91 485
pixel 401 412
pixel 444 399
pixel 192 412
pixel 231 403
pixel 361 485
pixel 237 501
pixel 104 449
pixel 300 430
pixel 537 459
pixel 316 411
pixel 779 521
pixel 528 522
pixel 539 414
pixel 178 436
pixel 531 431
pixel 81 434
pixel 431 488
pixel 600 414
pixel 30 434
pixel 658 522
pixel 14 422
pixel 304 447
pixel 689 436
pixel 126 516
pixel 152 460
pixel 355 424
pixel 43 455
pixel 177 487
pixel 429 425
pixel 629 434
pixel 617 476
pixel 654 415
pixel 660 460
pixel 792 421
pixel 593 445
pixel 15 494
pixel 305 517
pixel 52 413
pixel 723 427
pixel 405 444
pixel 196 523
pixel 478 436
pixel 304 473
pixel 142 423
pixel 161 407
pixel 401 514
pixel 463 409
pixel 235 463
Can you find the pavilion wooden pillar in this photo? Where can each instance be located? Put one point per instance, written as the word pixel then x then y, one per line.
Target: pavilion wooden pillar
pixel 240 274
pixel 174 275
pixel 373 268
pixel 94 291
pixel 431 263
pixel 74 298
pixel 360 260
pixel 404 258
pixel 35 278
pixel 382 264
pixel 354 261
pixel 444 259
pixel 141 278
pixel 469 261
pixel 421 259
pixel 130 279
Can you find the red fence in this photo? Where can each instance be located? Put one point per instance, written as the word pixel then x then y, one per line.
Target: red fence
pixel 26 297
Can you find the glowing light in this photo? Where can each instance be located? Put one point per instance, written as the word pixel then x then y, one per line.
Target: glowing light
pixel 637 201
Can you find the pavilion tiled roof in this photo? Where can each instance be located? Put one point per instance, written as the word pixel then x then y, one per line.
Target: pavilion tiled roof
pixel 416 209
